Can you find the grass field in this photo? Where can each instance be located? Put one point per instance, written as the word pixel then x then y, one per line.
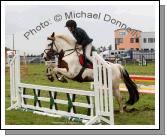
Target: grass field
pixel 142 113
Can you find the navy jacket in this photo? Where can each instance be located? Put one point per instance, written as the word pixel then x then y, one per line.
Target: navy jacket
pixel 81 36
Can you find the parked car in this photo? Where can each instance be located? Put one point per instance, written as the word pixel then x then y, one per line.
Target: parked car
pixel 125 56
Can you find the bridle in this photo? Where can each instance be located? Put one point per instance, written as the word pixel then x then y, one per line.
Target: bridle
pixel 51 52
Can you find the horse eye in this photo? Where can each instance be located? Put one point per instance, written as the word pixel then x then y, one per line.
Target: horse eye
pixel 50 44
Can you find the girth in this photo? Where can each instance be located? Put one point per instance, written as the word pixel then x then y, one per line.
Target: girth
pixel 79 76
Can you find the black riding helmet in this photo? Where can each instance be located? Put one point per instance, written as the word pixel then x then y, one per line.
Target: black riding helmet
pixel 71 23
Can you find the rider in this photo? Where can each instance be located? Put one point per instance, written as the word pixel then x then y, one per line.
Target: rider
pixel 83 40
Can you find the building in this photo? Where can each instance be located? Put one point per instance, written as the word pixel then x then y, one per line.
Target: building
pixel 147 41
pixel 127 39
pixel 134 39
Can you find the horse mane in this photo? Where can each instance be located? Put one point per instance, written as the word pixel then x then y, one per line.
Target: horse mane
pixel 66 38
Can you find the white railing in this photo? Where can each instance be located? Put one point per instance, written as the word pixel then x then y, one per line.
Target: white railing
pixel 103 90
pixel 100 101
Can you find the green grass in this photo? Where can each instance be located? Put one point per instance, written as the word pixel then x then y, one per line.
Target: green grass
pixel 142 113
pixel 134 69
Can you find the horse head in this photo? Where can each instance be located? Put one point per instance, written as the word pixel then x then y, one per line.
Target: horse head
pixel 58 44
pixel 51 49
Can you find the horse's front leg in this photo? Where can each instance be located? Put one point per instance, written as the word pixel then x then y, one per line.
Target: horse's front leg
pixel 61 78
pixel 63 71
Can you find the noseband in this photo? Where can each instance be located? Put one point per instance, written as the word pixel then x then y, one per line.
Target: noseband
pixel 51 52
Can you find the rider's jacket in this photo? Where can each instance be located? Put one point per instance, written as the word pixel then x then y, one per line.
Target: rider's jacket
pixel 81 36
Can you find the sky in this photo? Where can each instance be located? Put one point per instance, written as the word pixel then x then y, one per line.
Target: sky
pixel 32 24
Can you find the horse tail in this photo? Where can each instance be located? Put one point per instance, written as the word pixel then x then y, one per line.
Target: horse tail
pixel 131 86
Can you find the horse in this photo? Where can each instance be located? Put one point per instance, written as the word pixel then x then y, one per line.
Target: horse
pixel 70 67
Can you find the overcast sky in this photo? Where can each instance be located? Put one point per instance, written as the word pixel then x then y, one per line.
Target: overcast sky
pixel 22 19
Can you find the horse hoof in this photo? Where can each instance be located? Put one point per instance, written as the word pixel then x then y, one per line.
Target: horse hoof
pixel 51 79
pixel 65 81
pixel 62 79
pixel 124 108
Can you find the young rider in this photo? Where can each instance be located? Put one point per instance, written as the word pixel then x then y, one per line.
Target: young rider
pixel 83 40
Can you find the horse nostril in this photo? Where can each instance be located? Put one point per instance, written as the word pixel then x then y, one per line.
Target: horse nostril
pixel 45 58
pixel 42 54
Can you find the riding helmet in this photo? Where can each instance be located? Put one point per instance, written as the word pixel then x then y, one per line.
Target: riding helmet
pixel 71 23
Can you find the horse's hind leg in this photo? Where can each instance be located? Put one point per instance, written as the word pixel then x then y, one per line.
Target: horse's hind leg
pixel 87 75
pixel 63 71
pixel 119 99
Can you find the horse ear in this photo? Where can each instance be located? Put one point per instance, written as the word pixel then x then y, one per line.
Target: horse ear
pixel 53 34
